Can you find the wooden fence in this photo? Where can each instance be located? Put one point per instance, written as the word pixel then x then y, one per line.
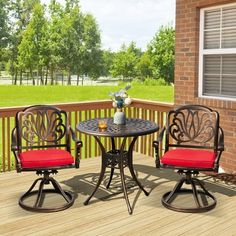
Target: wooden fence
pixel 77 112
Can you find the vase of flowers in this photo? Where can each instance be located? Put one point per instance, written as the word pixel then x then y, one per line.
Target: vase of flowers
pixel 120 99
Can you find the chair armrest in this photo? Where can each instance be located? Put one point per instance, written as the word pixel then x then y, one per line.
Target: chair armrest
pixel 221 140
pixel 159 138
pixel 75 139
pixel 14 140
pixel 156 145
pixel 79 144
pixel 219 149
pixel 15 149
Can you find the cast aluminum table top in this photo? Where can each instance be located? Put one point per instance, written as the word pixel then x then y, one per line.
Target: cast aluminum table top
pixel 133 127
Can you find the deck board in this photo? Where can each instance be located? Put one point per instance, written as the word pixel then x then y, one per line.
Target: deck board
pixel 107 212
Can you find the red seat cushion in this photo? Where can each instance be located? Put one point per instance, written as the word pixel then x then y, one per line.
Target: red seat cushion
pixel 189 158
pixel 45 158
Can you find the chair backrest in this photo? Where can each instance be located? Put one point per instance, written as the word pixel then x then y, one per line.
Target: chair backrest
pixel 42 126
pixel 192 126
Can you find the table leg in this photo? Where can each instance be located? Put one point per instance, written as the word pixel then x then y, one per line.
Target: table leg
pixel 103 169
pixel 113 147
pixel 122 175
pixel 110 179
pixel 131 168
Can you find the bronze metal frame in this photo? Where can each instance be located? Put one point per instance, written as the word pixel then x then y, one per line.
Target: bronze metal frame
pixel 42 127
pixel 194 127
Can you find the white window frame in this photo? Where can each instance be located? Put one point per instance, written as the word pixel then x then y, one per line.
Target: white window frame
pixel 203 52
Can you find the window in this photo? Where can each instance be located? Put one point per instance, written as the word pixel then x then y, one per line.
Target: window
pixel 217 52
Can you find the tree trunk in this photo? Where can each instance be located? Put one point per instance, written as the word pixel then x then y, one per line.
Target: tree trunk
pixel 46 79
pixel 21 77
pixel 15 77
pixel 37 78
pixel 12 78
pixel 82 82
pixel 41 76
pixel 27 78
pixel 32 77
pixel 51 75
pixel 77 79
pixel 69 78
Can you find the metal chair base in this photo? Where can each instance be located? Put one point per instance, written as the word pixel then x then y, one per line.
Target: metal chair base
pixel 38 205
pixel 168 198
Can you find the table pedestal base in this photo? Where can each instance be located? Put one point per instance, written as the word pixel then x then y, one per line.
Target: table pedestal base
pixel 117 159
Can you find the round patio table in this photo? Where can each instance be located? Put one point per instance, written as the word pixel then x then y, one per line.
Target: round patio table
pixel 117 158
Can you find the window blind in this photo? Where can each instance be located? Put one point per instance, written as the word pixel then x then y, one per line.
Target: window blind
pixel 212 29
pixel 220 26
pixel 218 70
pixel 219 75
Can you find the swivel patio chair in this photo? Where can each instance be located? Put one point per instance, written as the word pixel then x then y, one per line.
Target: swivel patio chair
pixel 193 142
pixel 41 143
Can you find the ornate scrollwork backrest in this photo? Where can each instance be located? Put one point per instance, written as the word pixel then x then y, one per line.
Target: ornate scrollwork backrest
pixel 194 125
pixel 42 124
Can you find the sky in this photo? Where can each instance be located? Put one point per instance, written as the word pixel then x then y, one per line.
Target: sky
pixel 123 21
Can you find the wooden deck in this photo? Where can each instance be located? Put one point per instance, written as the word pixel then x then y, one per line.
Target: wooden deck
pixel 107 212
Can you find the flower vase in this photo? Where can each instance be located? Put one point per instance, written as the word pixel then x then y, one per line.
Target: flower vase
pixel 119 117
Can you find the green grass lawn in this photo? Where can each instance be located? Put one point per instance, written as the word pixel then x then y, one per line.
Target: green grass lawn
pixel 12 95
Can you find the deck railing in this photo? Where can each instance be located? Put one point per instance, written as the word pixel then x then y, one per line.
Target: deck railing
pixel 77 112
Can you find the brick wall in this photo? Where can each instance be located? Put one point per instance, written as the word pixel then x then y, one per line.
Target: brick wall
pixel 186 73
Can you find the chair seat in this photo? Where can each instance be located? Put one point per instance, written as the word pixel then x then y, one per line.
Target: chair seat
pixel 45 158
pixel 189 158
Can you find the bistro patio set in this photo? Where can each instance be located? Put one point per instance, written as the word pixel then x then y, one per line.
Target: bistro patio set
pixel 192 139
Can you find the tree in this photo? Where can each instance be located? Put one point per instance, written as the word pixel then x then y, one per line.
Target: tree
pixel 144 66
pixel 69 32
pixel 71 4
pixel 69 44
pixel 20 11
pixel 161 50
pixel 4 32
pixel 4 29
pixel 62 38
pixel 107 60
pixel 79 45
pixel 55 37
pixel 125 60
pixel 91 48
pixel 32 51
pixel 132 48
